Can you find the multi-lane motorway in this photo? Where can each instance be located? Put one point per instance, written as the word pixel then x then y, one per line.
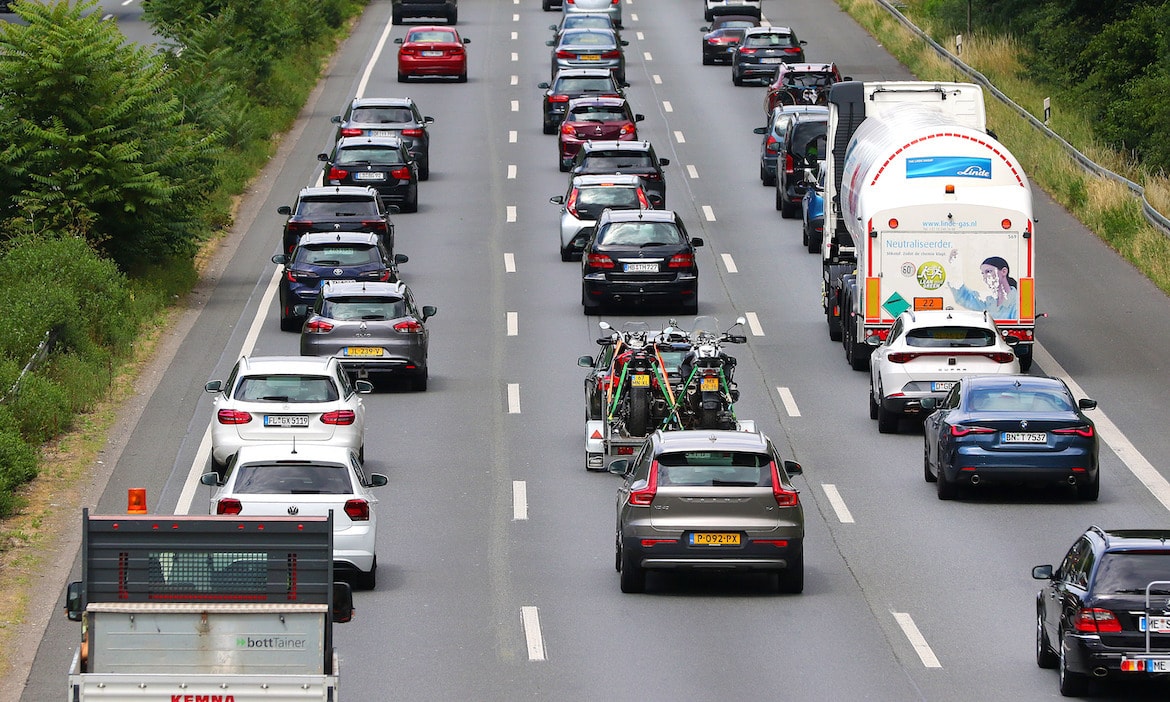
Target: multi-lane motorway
pixel 496 577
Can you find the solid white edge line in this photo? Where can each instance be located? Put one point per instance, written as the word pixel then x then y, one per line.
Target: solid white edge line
pixel 917 640
pixel 513 398
pixel 511 213
pixel 512 320
pixel 708 213
pixel 728 263
pixel 531 623
pixel 789 401
pixel 361 89
pixel 838 504
pixel 1137 464
pixel 509 263
pixel 519 500
pixel 753 321
pixel 692 171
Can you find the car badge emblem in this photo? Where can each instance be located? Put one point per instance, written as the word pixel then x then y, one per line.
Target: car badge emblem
pixel 293 511
pixel 337 226
pixel 1023 424
pixel 338 271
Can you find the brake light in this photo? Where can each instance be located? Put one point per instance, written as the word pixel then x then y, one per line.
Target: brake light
pixel 642 200
pixel 627 129
pixel 408 327
pixel 336 173
pixel 382 275
pixel 784 498
pixel 571 205
pixel 402 173
pixel 350 131
pixel 643 497
pixel 789 166
pixel 901 357
pixel 1002 357
pixel 358 510
pixel 412 132
pixel 568 129
pixel 792 50
pixel 319 326
pixel 566 54
pixel 1097 621
pixel 340 418
pixel 772 145
pixel 407 50
pixel 596 260
pixel 228 416
pixel 650 176
pixel 455 51
pixel 614 2
pixel 960 430
pixel 611 55
pixel 374 225
pixel 300 225
pixel 1085 431
pixel 228 505
pixel 684 260
pixel 558 98
pixel 745 50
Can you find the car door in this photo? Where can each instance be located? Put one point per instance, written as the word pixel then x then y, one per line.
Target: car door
pixel 1063 595
pixel 933 425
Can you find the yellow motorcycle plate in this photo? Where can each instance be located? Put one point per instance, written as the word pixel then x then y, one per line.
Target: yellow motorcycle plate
pixel 640 380
pixel 709 384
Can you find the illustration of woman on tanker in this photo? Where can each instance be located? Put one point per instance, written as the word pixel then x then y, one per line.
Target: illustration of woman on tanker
pixel 1003 300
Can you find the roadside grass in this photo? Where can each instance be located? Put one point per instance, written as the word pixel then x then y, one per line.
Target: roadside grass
pixel 1104 206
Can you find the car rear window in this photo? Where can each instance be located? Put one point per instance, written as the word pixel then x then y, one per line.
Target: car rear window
pixel 761 41
pixel 363 307
pixel 381 115
pixel 286 388
pixel 616 160
pixel 715 468
pixel 338 206
pixel 584 85
pixel 432 35
pixel 1012 400
pixel 292 479
pixel 336 254
pixel 809 80
pixel 623 198
pixel 372 155
pixel 599 113
pixel 1129 572
pixel 639 234
pixel 950 337
pixel 587 38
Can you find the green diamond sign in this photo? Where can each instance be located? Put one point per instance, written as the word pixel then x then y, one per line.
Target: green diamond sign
pixel 895 304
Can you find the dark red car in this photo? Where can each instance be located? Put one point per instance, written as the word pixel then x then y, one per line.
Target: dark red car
pixel 801 84
pixel 595 119
pixel 432 51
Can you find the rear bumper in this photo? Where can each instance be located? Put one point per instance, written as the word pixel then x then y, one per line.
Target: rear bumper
pixel 749 557
pixel 641 292
pixel 1086 654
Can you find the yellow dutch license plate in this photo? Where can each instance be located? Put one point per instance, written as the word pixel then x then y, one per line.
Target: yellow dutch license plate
pixel 709 385
pixel 590 57
pixel 363 351
pixel 640 380
pixel 707 538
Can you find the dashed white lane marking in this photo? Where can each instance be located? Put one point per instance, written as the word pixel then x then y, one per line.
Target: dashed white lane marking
pixel 667 107
pixel 729 263
pixel 789 402
pixel 126 2
pixel 512 319
pixel 515 56
pixel 708 213
pixel 657 79
pixel 512 137
pixel 917 640
pixel 513 398
pixel 753 321
pixel 511 213
pixel 1142 469
pixel 515 80
pixel 511 171
pixel 515 18
pixel 633 17
pixel 509 263
pixel 531 622
pixel 692 171
pixel 678 136
pixel 637 34
pixel 646 55
pixel 515 105
pixel 515 36
pixel 838 504
pixel 519 500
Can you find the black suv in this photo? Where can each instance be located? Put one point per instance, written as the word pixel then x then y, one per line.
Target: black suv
pixel 1093 614
pixel 762 50
pixel 401 9
pixel 337 208
pixel 803 149
pixel 400 117
pixel 623 157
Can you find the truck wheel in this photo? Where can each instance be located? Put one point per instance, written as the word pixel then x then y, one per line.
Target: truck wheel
pixel 859 357
pixel 639 420
pixel 633 575
pixel 887 421
pixel 834 324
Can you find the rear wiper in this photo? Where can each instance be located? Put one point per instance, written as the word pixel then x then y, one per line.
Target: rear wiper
pixel 275 398
pixel 326 262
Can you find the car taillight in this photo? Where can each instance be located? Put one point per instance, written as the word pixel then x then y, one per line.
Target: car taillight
pixel 227 416
pixel 455 51
pixel 228 505
pixel 300 225
pixel 350 131
pixel 1097 621
pixel 336 173
pixel 319 326
pixel 408 50
pixel 1085 431
pixel 772 145
pixel 566 54
pixel 611 55
pixel 340 418
pixel 558 98
pixel 792 50
pixel 960 430
pixel 373 225
pixel 408 327
pixel 784 498
pixel 650 176
pixel 571 205
pixel 295 275
pixel 412 132
pixel 643 497
pixel 614 2
pixel 901 357
pixel 402 173
pixel 745 50
pixel 642 200
pixel 789 166
pixel 683 260
pixel 596 260
pixel 568 129
pixel 358 510
pixel 1002 356
pixel 627 129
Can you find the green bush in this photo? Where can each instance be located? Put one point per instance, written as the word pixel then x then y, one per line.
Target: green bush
pixel 18 465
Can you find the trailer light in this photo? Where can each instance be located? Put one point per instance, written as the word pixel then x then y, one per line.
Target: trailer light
pixel 1006 224
pixel 893 223
pixel 949 189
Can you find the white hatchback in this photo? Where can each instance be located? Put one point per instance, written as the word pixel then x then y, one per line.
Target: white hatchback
pixel 924 354
pixel 306 480
pixel 271 399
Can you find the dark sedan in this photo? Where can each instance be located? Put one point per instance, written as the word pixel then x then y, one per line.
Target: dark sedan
pixel 624 158
pixel 572 83
pixel 762 50
pixel 383 163
pixel 394 116
pixel 1010 428
pixel 640 257
pixel 724 34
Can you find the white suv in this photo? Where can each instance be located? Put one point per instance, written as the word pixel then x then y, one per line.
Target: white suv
pixel 924 354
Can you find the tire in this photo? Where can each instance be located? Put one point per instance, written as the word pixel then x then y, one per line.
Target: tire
pixel 1071 684
pixel 1089 491
pixel 814 244
pixel 859 357
pixel 707 60
pixel 887 421
pixel 462 78
pixel 836 329
pixel 401 77
pixel 947 490
pixel 691 308
pixel 638 423
pixel 395 18
pixel 550 128
pixel 790 581
pixel 362 453
pixel 411 205
pixel 736 80
pixel 567 254
pixel 708 419
pixel 546 5
pixel 788 209
pixel 1025 364
pixel 290 324
pixel 633 575
pixel 424 168
pixel 219 468
pixel 453 17
pixel 367 581
pixel 564 167
pixel 418 382
pixel 779 200
pixel 926 474
pixel 803 233
pixel 1045 657
pixel 873 405
pixel 765 178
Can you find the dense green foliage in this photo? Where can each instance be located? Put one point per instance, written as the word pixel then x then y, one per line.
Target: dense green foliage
pixel 1113 56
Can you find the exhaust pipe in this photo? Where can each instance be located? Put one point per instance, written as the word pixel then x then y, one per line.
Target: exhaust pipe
pixel 1100 672
pixel 975 479
pixel 1072 480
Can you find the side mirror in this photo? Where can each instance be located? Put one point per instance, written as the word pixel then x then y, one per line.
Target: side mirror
pixel 663 162
pixel 213 386
pixel 393 209
pixel 550 42
pixel 284 210
pixel 377 480
pixel 429 311
pixel 585 361
pixel 639 118
pixel 211 479
pixel 280 259
pixel 624 42
pixel 552 27
pixel 740 321
pixel 620 467
pixel 74 608
pixel 398 40
pixel 363 387
pixel 697 242
pixel 428 120
pixel 793 468
pixel 301 310
pixel 401 258
pixel 342 610
pixel 760 130
pixel 336 119
pixel 466 41
pixel 803 42
pixel 704 29
pixel 624 84
pixel 544 85
pixel 847 78
pixel 557 199
pixel 605 326
pixel 929 403
pixel 1043 572
pixel 873 340
pixel 322 157
pixel 1086 403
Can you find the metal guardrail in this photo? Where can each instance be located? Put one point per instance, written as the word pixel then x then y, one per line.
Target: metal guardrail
pixel 1153 216
pixel 35 360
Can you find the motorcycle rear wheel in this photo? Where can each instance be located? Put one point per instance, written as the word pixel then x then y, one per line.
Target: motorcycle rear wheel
pixel 639 420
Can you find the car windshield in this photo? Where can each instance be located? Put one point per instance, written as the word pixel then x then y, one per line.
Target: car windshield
pixel 337 206
pixel 286 388
pixel 950 337
pixel 587 38
pixel 616 160
pixel 336 254
pixel 292 479
pixel 763 41
pixel 381 115
pixel 1020 400
pixel 599 113
pixel 371 155
pixel 431 35
pixel 639 234
pixel 611 196
pixel 584 85
pixel 1129 572
pixel 363 307
pixel 809 80
pixel 714 468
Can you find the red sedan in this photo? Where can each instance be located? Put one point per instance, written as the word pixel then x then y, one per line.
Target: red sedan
pixel 595 119
pixel 432 51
